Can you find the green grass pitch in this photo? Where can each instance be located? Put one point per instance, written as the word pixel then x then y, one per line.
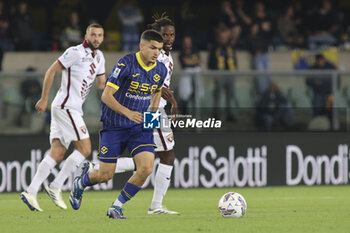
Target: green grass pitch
pixel 271 209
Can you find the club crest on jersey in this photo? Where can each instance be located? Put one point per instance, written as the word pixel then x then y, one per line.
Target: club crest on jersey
pixel 104 150
pixel 170 138
pixel 156 77
pixel 83 129
pixel 116 73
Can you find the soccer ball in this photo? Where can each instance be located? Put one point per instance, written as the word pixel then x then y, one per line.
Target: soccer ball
pixel 232 205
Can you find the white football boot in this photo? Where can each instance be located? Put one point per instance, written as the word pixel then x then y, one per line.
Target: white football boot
pixel 56 196
pixel 161 210
pixel 30 201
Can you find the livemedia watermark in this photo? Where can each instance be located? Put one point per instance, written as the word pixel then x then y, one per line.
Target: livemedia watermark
pixel 158 119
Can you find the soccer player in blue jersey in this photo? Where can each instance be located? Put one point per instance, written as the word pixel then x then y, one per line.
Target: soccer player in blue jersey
pixel 163 137
pixel 133 86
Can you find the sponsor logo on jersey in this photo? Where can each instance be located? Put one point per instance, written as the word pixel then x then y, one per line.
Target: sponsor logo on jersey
pixel 87 59
pixel 145 88
pixel 137 97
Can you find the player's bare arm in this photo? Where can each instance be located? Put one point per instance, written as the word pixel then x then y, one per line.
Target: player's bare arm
pixel 155 100
pixel 173 109
pixel 41 105
pixel 168 95
pixel 101 81
pixel 108 98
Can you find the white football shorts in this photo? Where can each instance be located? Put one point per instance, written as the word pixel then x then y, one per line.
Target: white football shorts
pixel 67 125
pixel 164 137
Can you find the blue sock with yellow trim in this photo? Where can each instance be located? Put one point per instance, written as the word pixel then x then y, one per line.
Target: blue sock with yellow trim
pixel 85 181
pixel 126 194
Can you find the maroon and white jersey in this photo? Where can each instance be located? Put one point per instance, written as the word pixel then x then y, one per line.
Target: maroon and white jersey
pixel 81 69
pixel 169 64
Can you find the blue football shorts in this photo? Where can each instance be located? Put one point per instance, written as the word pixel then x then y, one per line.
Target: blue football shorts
pixel 114 141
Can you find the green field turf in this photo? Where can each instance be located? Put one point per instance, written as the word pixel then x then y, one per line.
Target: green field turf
pixel 273 209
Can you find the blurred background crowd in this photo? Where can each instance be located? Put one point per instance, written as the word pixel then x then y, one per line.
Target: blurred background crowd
pixel 210 35
pixel 256 26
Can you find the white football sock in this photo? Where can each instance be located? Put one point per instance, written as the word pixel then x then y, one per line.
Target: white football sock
pixel 41 174
pixel 117 203
pixel 123 165
pixel 161 184
pixel 71 163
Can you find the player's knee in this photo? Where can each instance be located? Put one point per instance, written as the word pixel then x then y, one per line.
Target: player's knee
pixel 145 170
pixel 85 151
pixel 167 157
pixel 57 155
pixel 83 146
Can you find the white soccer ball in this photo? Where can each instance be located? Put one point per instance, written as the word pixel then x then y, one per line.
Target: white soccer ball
pixel 232 205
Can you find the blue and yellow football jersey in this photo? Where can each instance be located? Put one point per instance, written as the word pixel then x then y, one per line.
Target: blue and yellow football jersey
pixel 135 83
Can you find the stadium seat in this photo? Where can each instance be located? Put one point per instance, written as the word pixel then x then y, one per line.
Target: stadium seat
pixel 12 106
pixel 298 97
pixel 12 97
pixel 207 100
pixel 243 97
pixel 33 122
pixel 341 101
pixel 52 95
pixel 319 123
pixel 346 93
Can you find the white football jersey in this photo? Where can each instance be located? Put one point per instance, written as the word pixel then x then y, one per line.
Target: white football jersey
pixel 81 69
pixel 169 64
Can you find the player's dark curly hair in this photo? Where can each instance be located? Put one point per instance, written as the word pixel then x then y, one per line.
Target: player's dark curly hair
pixel 160 21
